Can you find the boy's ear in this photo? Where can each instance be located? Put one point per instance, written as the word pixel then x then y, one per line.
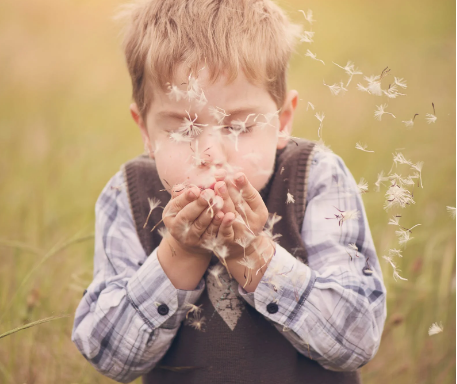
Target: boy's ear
pixel 286 117
pixel 135 112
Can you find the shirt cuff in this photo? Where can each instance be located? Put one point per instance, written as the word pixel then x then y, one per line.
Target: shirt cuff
pixel 155 298
pixel 283 289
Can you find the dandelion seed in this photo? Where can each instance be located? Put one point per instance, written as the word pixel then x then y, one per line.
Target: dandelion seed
pixel 430 118
pixel 180 138
pixel 435 328
pixel 194 91
pixel 218 114
pixel 362 186
pixel 398 196
pixel 400 82
pixel 362 147
pixel 321 147
pixel 394 220
pixel 335 89
pixel 343 216
pixel 418 167
pixel 153 204
pixel 222 253
pixel 195 309
pixel 313 56
pixel 269 117
pixel 360 87
pixel 307 37
pixel 395 253
pixel 197 322
pixel 308 15
pixel 381 178
pixel 349 69
pixel 374 85
pixel 189 127
pixel 353 247
pixel 249 263
pixel 410 123
pixel 320 117
pixel 451 211
pixel 392 92
pixel 310 105
pixel 175 93
pixel 398 158
pixel 216 271
pixel 403 236
pixel 381 111
pixel 163 231
pixel 290 198
pixel 397 276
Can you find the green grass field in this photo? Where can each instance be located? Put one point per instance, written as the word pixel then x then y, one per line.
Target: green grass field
pixel 65 130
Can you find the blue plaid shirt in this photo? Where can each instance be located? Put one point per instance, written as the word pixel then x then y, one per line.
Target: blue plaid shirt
pixel 338 322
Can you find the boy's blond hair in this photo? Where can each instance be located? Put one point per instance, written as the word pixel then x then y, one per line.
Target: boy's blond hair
pixel 223 35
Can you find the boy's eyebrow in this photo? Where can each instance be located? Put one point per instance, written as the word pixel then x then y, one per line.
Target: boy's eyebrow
pixel 233 112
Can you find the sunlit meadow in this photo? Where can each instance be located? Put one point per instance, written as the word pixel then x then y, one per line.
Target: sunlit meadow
pixel 65 130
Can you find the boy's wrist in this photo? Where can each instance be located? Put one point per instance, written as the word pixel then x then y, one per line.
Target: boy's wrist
pixel 181 251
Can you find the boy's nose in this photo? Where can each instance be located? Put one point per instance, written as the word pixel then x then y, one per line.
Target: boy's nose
pixel 212 149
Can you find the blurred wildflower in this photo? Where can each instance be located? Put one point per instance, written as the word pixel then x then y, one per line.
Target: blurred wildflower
pixel 310 105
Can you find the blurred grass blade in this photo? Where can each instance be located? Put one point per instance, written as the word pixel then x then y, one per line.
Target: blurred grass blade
pixel 32 324
pixel 54 250
pixel 21 246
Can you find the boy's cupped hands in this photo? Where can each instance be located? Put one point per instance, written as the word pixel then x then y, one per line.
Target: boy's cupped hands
pixel 226 220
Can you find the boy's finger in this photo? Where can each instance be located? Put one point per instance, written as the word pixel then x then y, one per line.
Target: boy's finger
pixel 213 227
pixel 222 191
pixel 196 217
pixel 226 232
pixel 249 194
pixel 182 200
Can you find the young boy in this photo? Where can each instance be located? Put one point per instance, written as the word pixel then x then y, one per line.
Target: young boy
pixel 232 252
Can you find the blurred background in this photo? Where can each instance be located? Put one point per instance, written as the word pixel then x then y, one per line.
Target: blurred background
pixel 65 130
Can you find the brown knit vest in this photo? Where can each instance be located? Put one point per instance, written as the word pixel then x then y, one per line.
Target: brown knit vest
pixel 237 343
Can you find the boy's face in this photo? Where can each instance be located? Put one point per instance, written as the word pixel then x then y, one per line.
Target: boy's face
pixel 224 144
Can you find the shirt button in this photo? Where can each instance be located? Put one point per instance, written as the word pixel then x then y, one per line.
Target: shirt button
pixel 272 308
pixel 162 309
pixel 367 271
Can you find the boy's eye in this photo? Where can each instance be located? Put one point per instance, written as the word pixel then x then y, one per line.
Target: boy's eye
pixel 238 129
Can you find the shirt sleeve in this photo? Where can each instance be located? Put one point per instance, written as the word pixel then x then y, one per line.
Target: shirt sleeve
pixel 131 311
pixel 334 309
